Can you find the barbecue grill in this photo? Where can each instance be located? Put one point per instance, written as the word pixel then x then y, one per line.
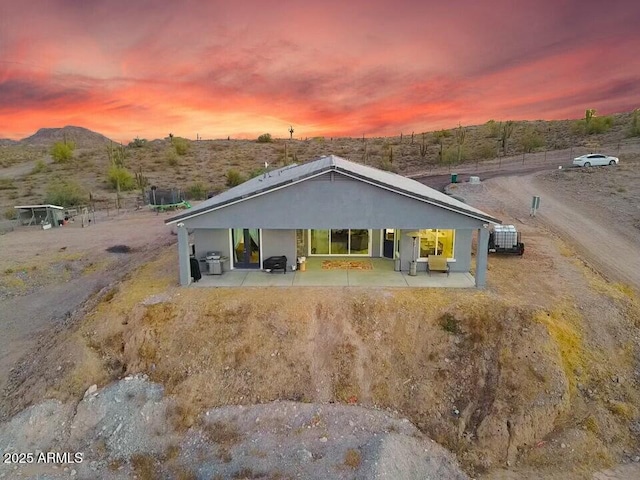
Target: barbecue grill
pixel 276 263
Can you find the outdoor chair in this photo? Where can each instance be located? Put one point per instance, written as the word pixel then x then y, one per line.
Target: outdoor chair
pixel 437 263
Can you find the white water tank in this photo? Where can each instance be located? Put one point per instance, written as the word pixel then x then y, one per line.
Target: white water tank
pixel 505 236
pixel 474 180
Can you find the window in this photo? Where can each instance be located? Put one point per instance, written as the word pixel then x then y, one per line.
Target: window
pixel 339 242
pixel 319 242
pixel 436 242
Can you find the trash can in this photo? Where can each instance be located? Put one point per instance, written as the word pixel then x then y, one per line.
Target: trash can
pixel 302 264
pixel 454 178
pixel 413 269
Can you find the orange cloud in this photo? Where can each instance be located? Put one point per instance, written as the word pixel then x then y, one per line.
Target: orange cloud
pixel 132 69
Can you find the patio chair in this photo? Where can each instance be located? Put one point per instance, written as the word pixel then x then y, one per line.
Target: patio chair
pixel 437 263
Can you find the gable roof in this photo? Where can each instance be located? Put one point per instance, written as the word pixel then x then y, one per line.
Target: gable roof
pixel 292 174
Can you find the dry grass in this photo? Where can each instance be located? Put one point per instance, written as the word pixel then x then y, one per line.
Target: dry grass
pixel 144 467
pixel 182 417
pixel 624 410
pixel 563 326
pixel 579 461
pixel 221 433
pixel 409 350
pixel 353 458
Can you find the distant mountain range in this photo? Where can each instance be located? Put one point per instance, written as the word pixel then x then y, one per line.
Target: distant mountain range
pixel 82 137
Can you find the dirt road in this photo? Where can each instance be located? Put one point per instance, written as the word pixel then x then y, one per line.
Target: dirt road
pixel 22 169
pixel 58 270
pixel 607 249
pixel 515 165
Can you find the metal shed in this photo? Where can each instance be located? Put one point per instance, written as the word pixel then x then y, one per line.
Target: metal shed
pixel 41 215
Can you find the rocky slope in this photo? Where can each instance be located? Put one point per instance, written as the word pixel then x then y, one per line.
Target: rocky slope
pixel 131 428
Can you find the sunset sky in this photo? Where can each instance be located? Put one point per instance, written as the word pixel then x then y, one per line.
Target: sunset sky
pixel 242 68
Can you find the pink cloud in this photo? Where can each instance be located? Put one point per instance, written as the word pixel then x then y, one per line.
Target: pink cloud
pixel 376 67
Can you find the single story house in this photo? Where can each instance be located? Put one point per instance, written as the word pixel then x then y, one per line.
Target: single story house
pixel 333 207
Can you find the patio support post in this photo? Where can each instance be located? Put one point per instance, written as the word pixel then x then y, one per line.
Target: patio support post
pixel 481 256
pixel 183 255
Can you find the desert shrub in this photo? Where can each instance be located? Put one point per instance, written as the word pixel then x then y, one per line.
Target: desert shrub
pixel 265 138
pixel 257 172
pixel 39 167
pixel 531 140
pixel 485 150
pixel 353 458
pixel 62 151
pixel 635 124
pixel 493 129
pixel 10 214
pixel 234 178
pixel 599 125
pixel 449 323
pixel 440 136
pixel 197 191
pixel 172 157
pixel 450 155
pixel 121 175
pixel 181 145
pixel 144 466
pixel 65 192
pixel 7 184
pixel 387 166
pixel 594 125
pixel 138 143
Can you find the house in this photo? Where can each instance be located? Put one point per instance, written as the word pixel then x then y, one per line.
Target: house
pixel 333 207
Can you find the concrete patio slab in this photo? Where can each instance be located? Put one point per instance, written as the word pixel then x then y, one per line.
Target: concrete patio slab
pixel 267 279
pixel 234 278
pixel 318 278
pixel 336 278
pixel 375 279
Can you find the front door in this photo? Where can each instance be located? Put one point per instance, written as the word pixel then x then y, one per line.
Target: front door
pixel 246 248
pixel 388 242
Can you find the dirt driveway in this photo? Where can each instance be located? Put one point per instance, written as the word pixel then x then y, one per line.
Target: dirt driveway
pixel 47 275
pixel 601 241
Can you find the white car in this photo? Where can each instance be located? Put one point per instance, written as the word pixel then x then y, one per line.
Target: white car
pixel 594 159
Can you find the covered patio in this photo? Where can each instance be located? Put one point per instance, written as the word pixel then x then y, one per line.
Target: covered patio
pixel 340 272
pixel 331 208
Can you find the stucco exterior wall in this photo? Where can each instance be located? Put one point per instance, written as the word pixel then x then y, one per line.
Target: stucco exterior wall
pixel 375 243
pixel 273 242
pixel 332 201
pixel 461 250
pixel 279 242
pixel 211 240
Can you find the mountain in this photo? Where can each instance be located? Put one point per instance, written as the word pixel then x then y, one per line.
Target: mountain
pixel 81 136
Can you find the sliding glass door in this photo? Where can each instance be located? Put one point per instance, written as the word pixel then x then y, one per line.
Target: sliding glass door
pixel 340 242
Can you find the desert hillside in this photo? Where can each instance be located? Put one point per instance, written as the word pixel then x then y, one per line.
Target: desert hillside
pixel 199 168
